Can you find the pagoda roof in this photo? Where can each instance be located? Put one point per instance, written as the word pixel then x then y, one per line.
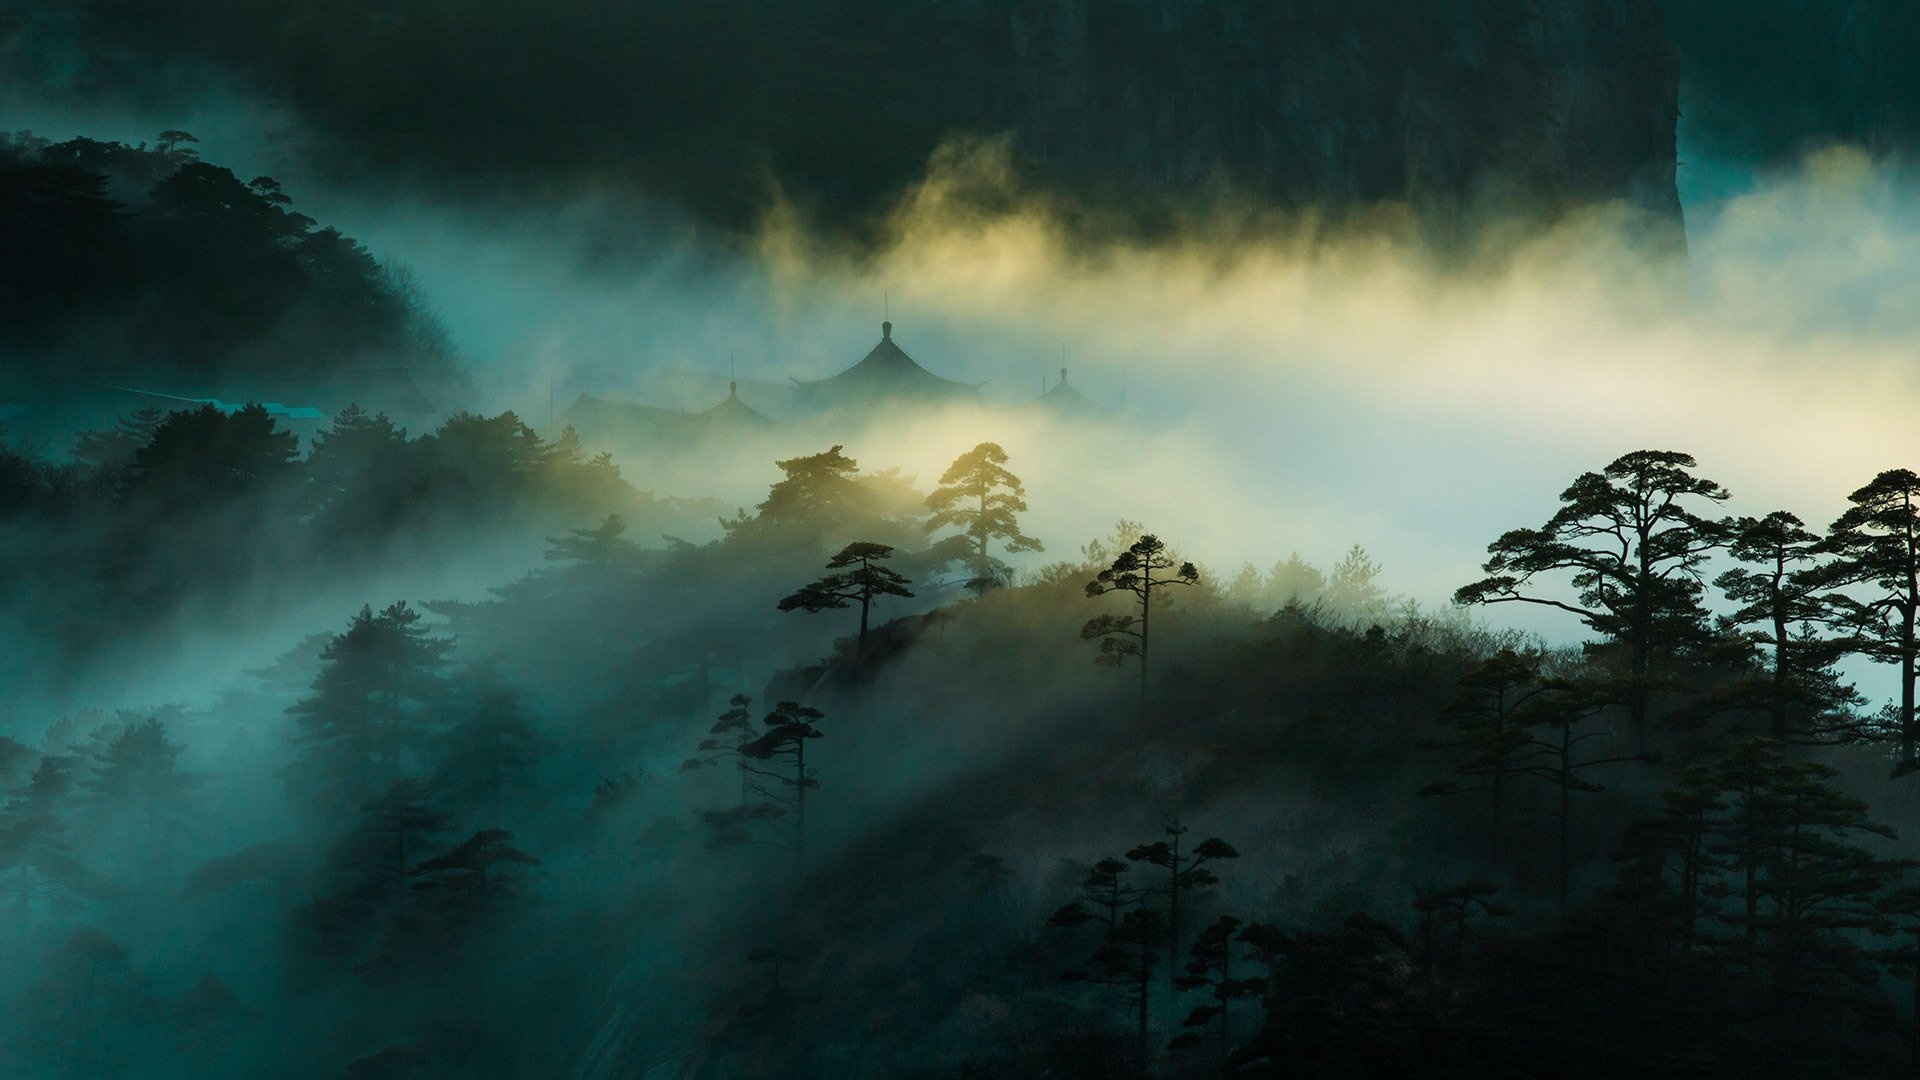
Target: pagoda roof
pixel 732 410
pixel 1066 399
pixel 589 414
pixel 598 417
pixel 885 373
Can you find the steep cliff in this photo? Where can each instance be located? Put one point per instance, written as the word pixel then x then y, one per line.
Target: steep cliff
pixel 1336 103
pixel 839 103
pixel 1780 76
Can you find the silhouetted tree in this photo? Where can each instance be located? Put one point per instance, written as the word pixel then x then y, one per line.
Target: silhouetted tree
pixel 777 760
pixel 601 550
pixel 1138 571
pixel 358 471
pixel 817 495
pixel 1340 1001
pixel 1186 871
pixel 207 1020
pixel 983 500
pixel 1444 921
pixel 490 744
pixel 1901 907
pixel 392 829
pixel 113 449
pixel 860 578
pixel 376 675
pixel 1876 548
pixel 1130 940
pixel 203 454
pixel 33 839
pixel 84 1012
pixel 1803 697
pixel 1491 710
pixel 1679 843
pixel 139 770
pixel 458 892
pixel 727 740
pixel 1791 840
pixel 1634 544
pixel 368 870
pixel 1211 968
pixel 1555 753
pixel 468 868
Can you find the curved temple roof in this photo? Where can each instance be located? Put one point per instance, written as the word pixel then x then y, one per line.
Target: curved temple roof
pixel 885 373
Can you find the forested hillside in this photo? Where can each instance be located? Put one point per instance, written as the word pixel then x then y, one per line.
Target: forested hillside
pixel 839 792
pixel 146 258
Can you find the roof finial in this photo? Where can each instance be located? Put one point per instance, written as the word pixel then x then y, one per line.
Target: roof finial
pixel 886 331
pixel 1063 376
pixel 733 385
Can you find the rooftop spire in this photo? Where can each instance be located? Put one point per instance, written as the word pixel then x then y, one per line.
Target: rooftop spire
pixel 1063 376
pixel 886 330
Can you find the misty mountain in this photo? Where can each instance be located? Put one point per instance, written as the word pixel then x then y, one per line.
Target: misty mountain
pixel 838 105
pixel 145 258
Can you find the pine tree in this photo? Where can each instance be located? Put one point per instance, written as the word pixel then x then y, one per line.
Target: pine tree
pixel 1808 884
pixel 1353 591
pixel 1140 570
pixel 1186 871
pixel 368 870
pixel 1491 712
pixel 1876 548
pixel 139 771
pixel 207 1020
pixel 1556 753
pixel 360 720
pixel 361 475
pixel 1130 940
pixel 204 454
pixel 981 498
pixel 1678 844
pixel 458 892
pixel 816 496
pixel 777 762
pixel 112 450
pixel 490 744
pixel 860 578
pixel 727 740
pixel 1803 698
pixel 1633 539
pixel 598 552
pixel 1211 968
pixel 472 871
pixel 33 840
pixel 1445 918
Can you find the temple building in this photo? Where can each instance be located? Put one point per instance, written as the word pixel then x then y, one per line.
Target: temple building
pixel 885 377
pixel 1064 399
pixel 735 414
pixel 607 421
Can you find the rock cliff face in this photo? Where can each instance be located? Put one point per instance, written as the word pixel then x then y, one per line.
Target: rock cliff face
pixel 840 102
pixel 1784 75
pixel 1447 103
